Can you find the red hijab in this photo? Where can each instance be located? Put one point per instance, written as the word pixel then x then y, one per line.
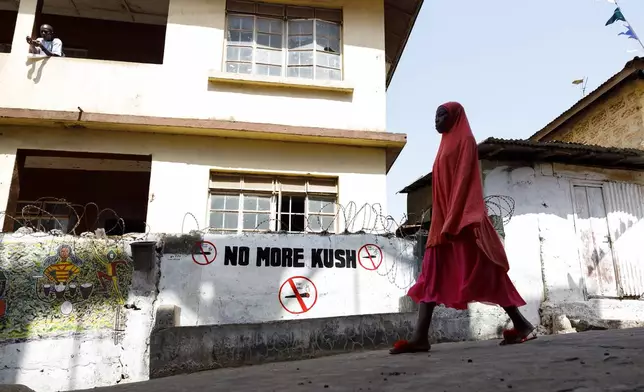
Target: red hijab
pixel 457 190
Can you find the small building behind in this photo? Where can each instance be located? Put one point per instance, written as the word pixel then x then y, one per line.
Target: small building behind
pixel 572 219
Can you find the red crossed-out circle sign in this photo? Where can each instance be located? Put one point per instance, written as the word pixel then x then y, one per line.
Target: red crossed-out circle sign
pixel 298 294
pixel 370 257
pixel 204 252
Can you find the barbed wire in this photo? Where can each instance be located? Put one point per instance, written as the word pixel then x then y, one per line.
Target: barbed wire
pixel 344 219
pixel 331 218
pixel 500 205
pixel 33 217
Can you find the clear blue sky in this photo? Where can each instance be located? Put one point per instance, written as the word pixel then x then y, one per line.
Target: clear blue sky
pixel 509 62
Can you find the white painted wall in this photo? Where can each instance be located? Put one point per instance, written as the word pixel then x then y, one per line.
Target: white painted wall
pixel 541 242
pixel 181 166
pixel 227 294
pixel 180 88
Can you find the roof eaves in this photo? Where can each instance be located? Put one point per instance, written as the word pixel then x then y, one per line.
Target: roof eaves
pixel 419 183
pixel 633 67
pixel 394 64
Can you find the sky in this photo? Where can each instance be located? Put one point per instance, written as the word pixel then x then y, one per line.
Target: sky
pixel 510 63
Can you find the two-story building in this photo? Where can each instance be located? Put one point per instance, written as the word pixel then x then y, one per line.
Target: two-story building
pixel 191 114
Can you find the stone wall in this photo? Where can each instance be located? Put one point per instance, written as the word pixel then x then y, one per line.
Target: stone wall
pixel 615 120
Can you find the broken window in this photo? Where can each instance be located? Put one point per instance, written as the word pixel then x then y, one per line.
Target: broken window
pixel 262 203
pixel 78 192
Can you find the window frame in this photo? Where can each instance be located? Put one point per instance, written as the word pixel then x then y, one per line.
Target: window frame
pixel 276 196
pixel 42 215
pixel 284 65
pixel 321 214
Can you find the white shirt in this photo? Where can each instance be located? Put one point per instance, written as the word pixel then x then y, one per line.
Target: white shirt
pixel 54 46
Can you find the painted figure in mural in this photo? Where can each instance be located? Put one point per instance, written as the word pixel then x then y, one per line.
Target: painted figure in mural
pixel 63 267
pixel 464 258
pixel 110 277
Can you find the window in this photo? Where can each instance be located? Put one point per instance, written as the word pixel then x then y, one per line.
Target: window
pixel 261 203
pixel 43 215
pixel 8 17
pixel 44 194
pixel 278 40
pixel 123 30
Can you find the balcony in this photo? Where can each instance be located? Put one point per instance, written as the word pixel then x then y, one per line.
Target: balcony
pixel 136 61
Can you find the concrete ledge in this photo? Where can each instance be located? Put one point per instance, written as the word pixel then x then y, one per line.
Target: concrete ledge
pixel 167 316
pixel 579 316
pixel 215 76
pixel 14 388
pixel 191 349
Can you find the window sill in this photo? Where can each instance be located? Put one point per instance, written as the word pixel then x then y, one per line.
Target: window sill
pixel 272 81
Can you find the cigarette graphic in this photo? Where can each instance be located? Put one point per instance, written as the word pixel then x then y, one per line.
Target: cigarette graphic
pixel 303 295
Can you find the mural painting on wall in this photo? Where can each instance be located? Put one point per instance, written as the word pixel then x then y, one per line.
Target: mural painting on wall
pixel 70 289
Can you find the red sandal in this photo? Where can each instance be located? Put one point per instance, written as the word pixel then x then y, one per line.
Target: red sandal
pixel 404 347
pixel 511 336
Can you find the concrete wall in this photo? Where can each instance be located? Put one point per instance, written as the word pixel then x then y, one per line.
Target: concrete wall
pixel 83 336
pixel 190 349
pixel 615 120
pixel 542 244
pixel 181 168
pixel 189 314
pixel 180 87
pixel 248 278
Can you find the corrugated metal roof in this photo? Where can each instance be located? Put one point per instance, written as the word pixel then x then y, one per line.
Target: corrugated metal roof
pixel 561 145
pixel 513 150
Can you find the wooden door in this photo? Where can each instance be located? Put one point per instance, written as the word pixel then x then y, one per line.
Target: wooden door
pixel 595 247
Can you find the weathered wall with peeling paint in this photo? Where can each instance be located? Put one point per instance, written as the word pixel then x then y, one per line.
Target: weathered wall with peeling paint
pixel 542 244
pixel 175 317
pixel 79 315
pixel 67 320
pixel 616 120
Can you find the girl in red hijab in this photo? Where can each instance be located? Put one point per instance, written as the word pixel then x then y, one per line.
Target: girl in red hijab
pixel 464 258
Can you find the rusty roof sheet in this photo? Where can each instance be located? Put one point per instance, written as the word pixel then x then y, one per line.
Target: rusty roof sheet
pixel 509 150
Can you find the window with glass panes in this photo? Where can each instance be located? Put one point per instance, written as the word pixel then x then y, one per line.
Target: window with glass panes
pixel 281 40
pixel 247 203
pixel 44 215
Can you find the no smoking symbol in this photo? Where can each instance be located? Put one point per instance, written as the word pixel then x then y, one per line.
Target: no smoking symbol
pixel 370 257
pixel 204 252
pixel 298 295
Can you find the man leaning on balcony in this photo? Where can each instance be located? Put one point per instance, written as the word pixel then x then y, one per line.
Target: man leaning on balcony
pixel 46 44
